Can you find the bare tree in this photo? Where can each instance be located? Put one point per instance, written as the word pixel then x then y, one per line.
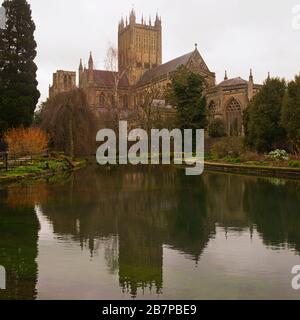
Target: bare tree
pixel 150 109
pixel 111 64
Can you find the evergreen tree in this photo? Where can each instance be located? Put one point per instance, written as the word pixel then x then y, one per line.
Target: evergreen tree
pixel 291 113
pixel 18 85
pixel 263 116
pixel 186 92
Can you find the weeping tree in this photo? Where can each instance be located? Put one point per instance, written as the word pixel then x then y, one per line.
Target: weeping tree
pixel 70 123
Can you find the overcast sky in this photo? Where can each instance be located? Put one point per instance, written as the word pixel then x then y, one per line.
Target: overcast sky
pixel 234 34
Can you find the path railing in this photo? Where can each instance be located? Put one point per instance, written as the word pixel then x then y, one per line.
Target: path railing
pixel 9 161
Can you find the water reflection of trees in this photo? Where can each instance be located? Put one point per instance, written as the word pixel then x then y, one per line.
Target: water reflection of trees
pixel 273 207
pixel 144 207
pixel 134 211
pixel 18 248
pixel 148 207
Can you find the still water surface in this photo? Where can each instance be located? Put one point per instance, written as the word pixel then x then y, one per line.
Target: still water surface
pixel 150 233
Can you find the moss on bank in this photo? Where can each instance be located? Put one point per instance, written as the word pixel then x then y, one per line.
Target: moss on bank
pixel 41 167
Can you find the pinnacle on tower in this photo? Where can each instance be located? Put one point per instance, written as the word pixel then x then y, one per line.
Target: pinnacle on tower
pixel 121 24
pixel 80 65
pixel 251 76
pixel 157 20
pixel 132 17
pixel 91 62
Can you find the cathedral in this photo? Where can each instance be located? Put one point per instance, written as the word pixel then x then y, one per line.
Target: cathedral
pixel 140 67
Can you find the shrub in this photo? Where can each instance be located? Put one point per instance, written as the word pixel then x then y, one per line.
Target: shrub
pixel 251 156
pixel 216 128
pixel 227 147
pixel 294 164
pixel 26 142
pixel 232 160
pixel 279 155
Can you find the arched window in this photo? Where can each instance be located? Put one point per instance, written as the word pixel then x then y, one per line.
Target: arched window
pixel 212 110
pixel 102 100
pixel 234 117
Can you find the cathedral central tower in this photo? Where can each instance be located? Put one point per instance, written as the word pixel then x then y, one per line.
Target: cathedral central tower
pixel 139 46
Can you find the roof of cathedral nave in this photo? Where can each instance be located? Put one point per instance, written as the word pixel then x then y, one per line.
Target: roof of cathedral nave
pixel 232 82
pixel 164 69
pixel 103 78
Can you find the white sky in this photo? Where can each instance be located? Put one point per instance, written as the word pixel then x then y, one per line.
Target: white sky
pixel 234 34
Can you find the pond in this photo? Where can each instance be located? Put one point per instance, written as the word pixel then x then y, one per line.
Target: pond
pixel 150 233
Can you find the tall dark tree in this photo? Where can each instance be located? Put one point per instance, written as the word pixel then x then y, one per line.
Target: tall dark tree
pixel 18 85
pixel 186 92
pixel 291 113
pixel 262 118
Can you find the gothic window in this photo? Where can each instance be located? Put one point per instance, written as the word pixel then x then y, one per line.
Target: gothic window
pixel 234 118
pixel 212 110
pixel 102 100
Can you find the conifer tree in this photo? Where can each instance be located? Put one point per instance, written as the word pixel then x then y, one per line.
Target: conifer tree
pixel 186 92
pixel 18 85
pixel 291 113
pixel 262 118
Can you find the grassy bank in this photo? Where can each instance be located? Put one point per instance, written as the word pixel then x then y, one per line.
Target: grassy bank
pixel 40 167
pixel 271 169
